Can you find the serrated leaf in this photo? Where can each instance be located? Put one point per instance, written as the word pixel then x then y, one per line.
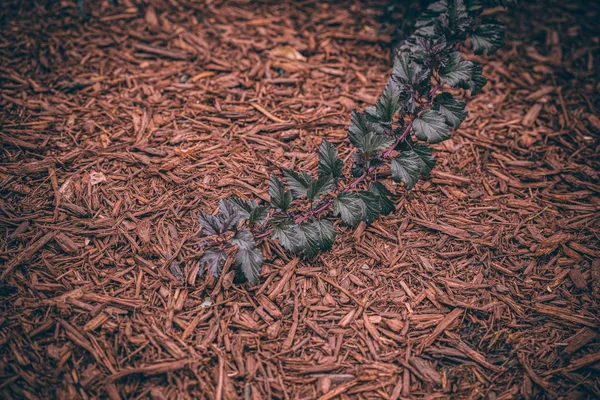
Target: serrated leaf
pixel 372 206
pixel 406 167
pixel 373 143
pixel 388 103
pixel 410 165
pixel 383 195
pixel 431 126
pixel 451 108
pixel 258 215
pixel 319 237
pixel 329 164
pixel 280 197
pixel 360 166
pixel 477 80
pixel 243 239
pixel 408 72
pixel 350 207
pixel 214 258
pixel 249 258
pixel 375 123
pixel 289 235
pixel 230 215
pixel 456 70
pixel 244 207
pixel 359 128
pixel 488 37
pixel 211 224
pixel 249 210
pixel 250 262
pixel 425 154
pixel 297 182
pixel 319 187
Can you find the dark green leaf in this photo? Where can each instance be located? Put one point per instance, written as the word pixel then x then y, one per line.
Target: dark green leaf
pixel 389 103
pixel 359 128
pixel 250 262
pixel 477 80
pixel 258 215
pixel 288 234
pixel 383 195
pixel 297 182
pixel 280 198
pixel 451 108
pixel 329 164
pixel 458 19
pixel 319 187
pixel 372 205
pixel 408 72
pixel 406 167
pixel 214 258
pixel 431 126
pixel 456 71
pixel 488 37
pixel 350 206
pixel 319 237
pixel 425 154
pixel 249 210
pixel 249 258
pixel 373 143
pixel 410 165
pixel 360 166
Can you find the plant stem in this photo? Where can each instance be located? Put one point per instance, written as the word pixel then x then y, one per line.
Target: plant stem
pixel 371 169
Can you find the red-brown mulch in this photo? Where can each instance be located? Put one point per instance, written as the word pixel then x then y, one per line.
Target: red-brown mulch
pixel 117 132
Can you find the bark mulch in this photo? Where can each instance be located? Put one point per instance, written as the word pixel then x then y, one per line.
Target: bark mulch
pixel 118 131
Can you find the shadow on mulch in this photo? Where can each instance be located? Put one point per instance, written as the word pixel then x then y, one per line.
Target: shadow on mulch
pixel 118 131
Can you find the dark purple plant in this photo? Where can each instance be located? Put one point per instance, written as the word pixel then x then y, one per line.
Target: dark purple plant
pixel 412 112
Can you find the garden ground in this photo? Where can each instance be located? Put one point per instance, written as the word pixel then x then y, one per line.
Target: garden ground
pixel 116 132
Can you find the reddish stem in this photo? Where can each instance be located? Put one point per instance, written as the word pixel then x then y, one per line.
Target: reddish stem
pixel 371 169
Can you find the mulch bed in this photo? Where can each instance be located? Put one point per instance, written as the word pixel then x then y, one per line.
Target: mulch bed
pixel 118 131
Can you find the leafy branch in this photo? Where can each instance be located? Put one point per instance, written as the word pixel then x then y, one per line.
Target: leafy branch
pixel 412 113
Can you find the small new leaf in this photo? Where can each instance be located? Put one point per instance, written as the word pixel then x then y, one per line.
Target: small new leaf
pixel 329 164
pixel 281 199
pixel 244 207
pixel 431 126
pixel 451 108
